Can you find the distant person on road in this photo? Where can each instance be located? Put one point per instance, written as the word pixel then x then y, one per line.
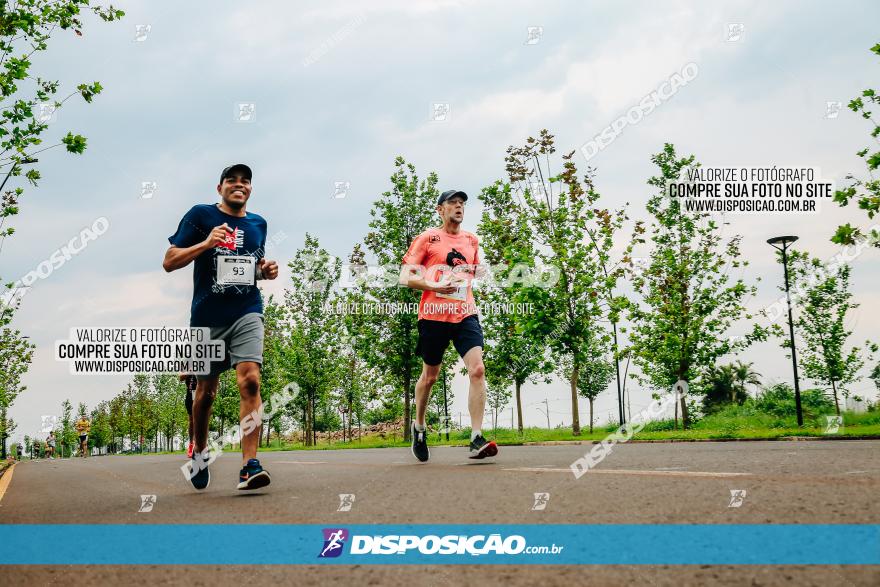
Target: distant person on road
pixel 226 245
pixel 82 428
pixel 447 259
pixel 191 383
pixel 50 445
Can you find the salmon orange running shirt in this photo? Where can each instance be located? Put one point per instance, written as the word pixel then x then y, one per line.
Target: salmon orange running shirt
pixel 443 257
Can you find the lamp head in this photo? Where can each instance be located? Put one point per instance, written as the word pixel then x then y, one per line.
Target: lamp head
pixel 781 240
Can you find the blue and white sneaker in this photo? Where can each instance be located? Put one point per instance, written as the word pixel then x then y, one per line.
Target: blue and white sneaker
pixel 253 476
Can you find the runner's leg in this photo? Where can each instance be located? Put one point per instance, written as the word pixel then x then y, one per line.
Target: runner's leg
pixel 426 381
pixel 248 374
pixel 473 361
pixel 206 390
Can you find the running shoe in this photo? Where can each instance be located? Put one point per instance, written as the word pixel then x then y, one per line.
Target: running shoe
pixel 253 476
pixel 189 449
pixel 420 444
pixel 199 475
pixel 482 448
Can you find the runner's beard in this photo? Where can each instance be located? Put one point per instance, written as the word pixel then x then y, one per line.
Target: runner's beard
pixel 234 205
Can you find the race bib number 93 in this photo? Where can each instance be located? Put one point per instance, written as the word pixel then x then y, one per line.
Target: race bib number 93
pixel 236 270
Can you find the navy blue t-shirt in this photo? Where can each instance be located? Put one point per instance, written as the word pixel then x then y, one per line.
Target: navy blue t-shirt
pixel 216 304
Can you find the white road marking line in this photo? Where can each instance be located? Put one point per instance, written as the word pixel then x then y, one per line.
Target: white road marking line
pixel 670 468
pixel 631 472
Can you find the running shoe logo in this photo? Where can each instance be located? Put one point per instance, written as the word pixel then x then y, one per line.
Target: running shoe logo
pixel 334 540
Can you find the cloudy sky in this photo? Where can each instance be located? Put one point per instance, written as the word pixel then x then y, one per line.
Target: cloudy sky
pixel 341 88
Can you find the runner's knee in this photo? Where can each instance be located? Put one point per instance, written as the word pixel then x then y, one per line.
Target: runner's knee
pixel 477 371
pixel 430 377
pixel 249 382
pixel 206 391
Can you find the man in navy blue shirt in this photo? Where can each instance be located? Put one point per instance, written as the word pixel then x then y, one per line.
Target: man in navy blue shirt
pixel 227 244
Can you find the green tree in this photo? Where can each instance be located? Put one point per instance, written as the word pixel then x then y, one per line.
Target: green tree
pixel 719 384
pixel 276 371
pixel 823 301
pixel 100 434
pixel 398 216
pixel 686 296
pixel 597 370
pixel 66 434
pixel 359 380
pixel 116 422
pixel 170 412
pixel 745 375
pixel 16 353
pixel 497 395
pixel 865 192
pixel 225 410
pixel 511 355
pixel 25 29
pixel 314 329
pixel 142 415
pixel 574 234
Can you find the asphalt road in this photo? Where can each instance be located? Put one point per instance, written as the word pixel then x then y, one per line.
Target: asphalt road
pixel 815 482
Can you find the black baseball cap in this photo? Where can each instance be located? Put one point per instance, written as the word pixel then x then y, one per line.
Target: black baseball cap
pixel 450 194
pixel 241 168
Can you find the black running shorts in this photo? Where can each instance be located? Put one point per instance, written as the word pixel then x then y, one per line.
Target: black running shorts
pixel 434 337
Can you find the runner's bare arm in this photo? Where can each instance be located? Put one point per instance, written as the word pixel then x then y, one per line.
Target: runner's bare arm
pixel 179 257
pixel 417 281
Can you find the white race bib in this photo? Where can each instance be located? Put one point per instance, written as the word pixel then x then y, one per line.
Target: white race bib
pixel 236 270
pixel 460 293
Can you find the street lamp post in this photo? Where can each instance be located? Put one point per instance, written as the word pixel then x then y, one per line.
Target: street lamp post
pixel 784 242
pixel 547 413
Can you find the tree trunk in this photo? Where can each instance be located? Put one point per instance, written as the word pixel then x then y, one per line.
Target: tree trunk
pixel 519 407
pixel 407 381
pixel 591 415
pixel 350 418
pixel 684 413
pixel 836 402
pixel 575 420
pixel 620 416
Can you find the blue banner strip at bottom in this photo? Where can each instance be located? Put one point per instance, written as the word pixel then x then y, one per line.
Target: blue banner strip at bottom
pixel 551 544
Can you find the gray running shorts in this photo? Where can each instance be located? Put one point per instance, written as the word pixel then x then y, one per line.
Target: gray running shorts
pixel 244 342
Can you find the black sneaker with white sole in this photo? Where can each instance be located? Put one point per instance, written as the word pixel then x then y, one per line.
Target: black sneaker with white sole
pixel 420 444
pixel 481 448
pixel 199 475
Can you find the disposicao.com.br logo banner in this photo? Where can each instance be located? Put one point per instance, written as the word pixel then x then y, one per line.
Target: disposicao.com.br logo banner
pixel 459 544
pixel 430 544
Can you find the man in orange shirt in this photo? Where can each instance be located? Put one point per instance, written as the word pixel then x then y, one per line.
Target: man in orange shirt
pixel 441 262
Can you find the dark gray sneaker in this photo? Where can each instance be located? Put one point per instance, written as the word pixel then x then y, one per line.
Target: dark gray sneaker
pixel 420 444
pixel 481 448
